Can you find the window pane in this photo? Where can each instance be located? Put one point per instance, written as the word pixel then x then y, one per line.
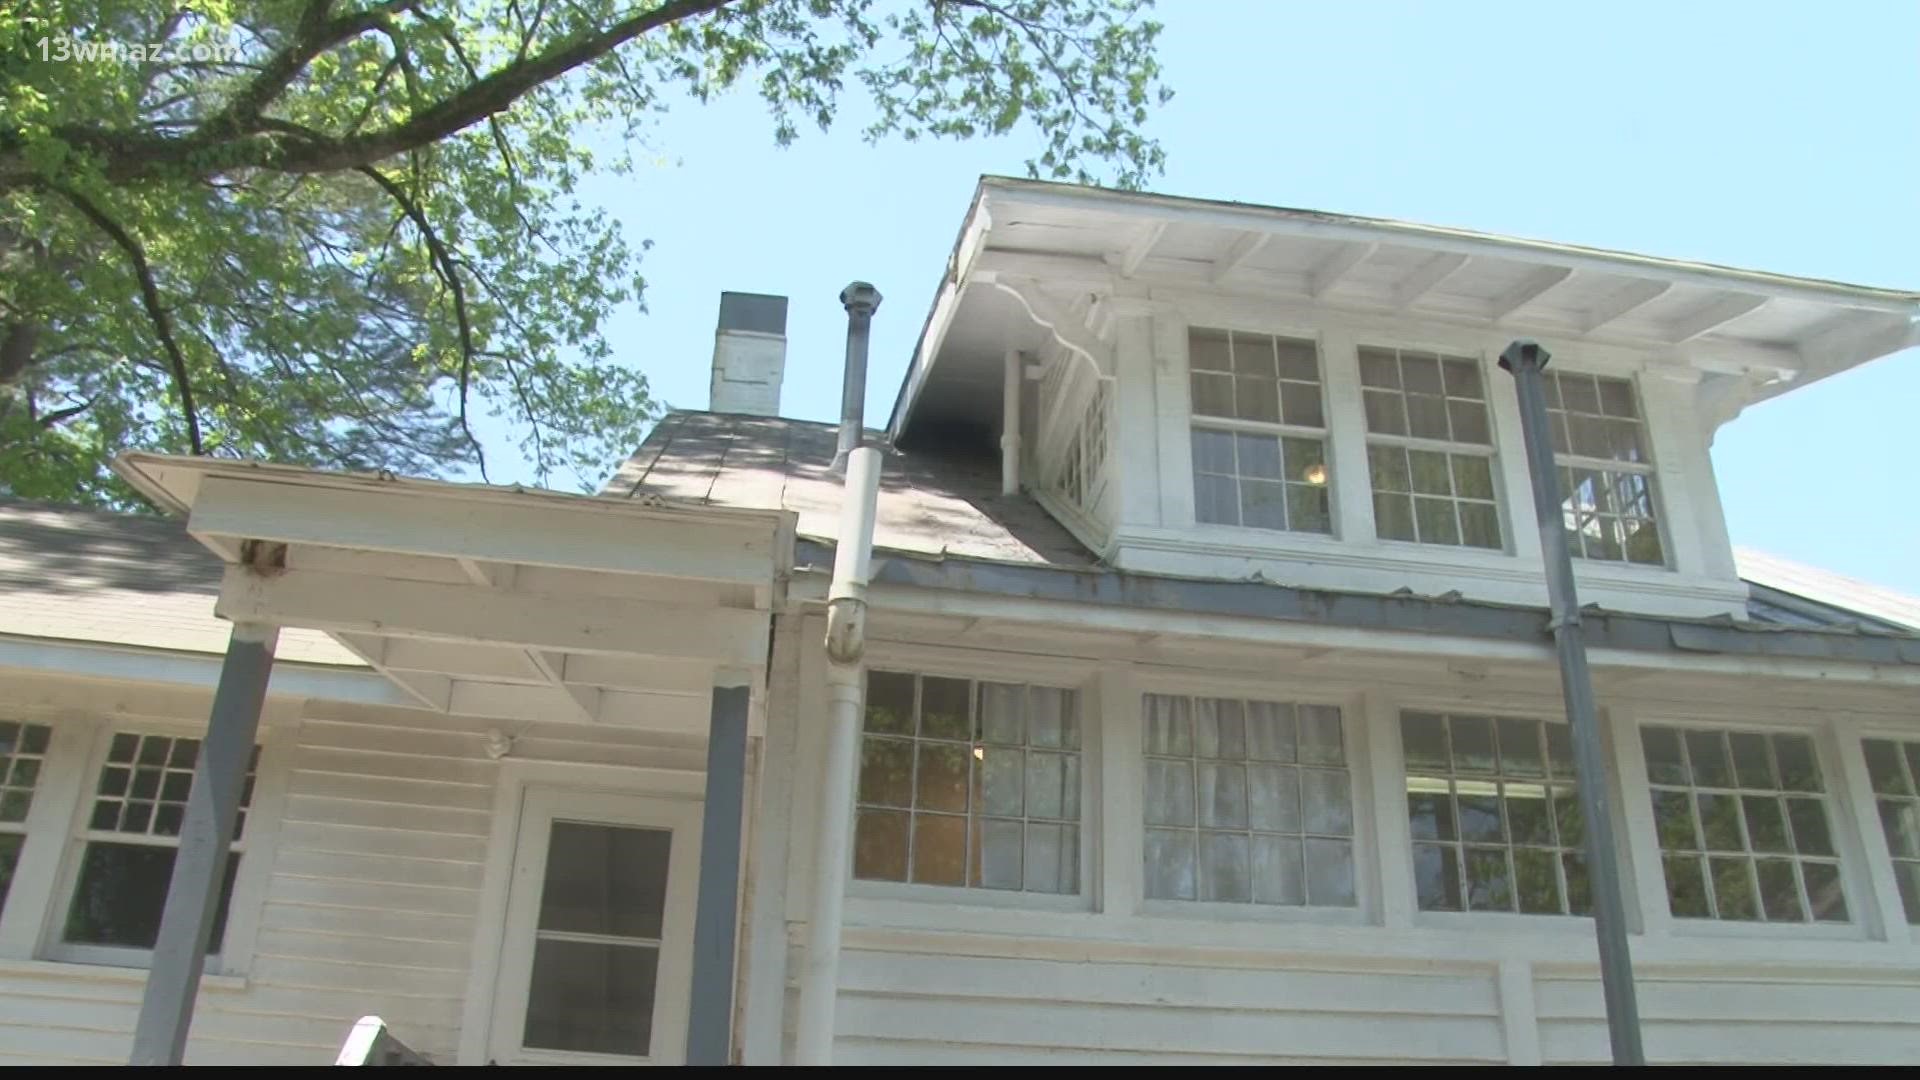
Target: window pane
pixel 1273 795
pixel 1213 452
pixel 1386 413
pixel 591 997
pixel 939 849
pixel 1720 822
pixel 1226 867
pixel 1421 373
pixel 1327 802
pixel 1169 724
pixel 1277 874
pixel 1798 769
pixel 1379 367
pixel 1809 820
pixel 1259 456
pixel 1473 744
pixel 1426 417
pixel 1430 815
pixel 1320 735
pixel 1432 474
pixel 1216 500
pixel 1388 466
pixel 1053 786
pixel 1053 858
pixel 1480 813
pixel 121 892
pixel 1329 873
pixel 941 781
pixel 1423 739
pixel 1393 517
pixel 1169 792
pixel 1436 877
pixel 1003 783
pixel 1823 889
pixel 886 771
pixel 1733 892
pixel 1536 878
pixel 1001 845
pixel 1569 826
pixel 880 845
pixel 1900 820
pixel 1884 767
pixel 1470 422
pixel 1256 399
pixel 1263 504
pixel 1520 748
pixel 1223 796
pixel 1472 476
pixel 1300 404
pixel 1579 892
pixel 1751 762
pixel 1707 752
pixel 1489 883
pixel 9 858
pixel 1529 818
pixel 605 879
pixel 1673 821
pixel 946 708
pixel 1208 350
pixel 1686 887
pixel 1212 394
pixel 1003 715
pixel 1053 718
pixel 1219 729
pixel 1664 763
pixel 1299 360
pixel 889 703
pixel 1170 871
pixel 1779 891
pixel 1435 522
pixel 1270 731
pixel 1307 508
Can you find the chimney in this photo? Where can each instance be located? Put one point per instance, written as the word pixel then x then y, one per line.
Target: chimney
pixel 749 354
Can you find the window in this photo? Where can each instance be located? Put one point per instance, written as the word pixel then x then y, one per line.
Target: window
pixel 131 833
pixel 1743 826
pixel 1895 771
pixel 967 783
pixel 1494 815
pixel 1259 432
pixel 1082 473
pixel 1429 449
pixel 1247 802
pixel 596 940
pixel 23 752
pixel 1606 474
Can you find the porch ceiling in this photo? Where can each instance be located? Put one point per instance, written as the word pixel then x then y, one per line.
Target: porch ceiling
pixel 507 603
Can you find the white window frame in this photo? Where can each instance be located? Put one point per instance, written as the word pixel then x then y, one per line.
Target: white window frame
pixel 1132 789
pixel 1648 470
pixel 1060 673
pixel 258 835
pixel 515 903
pixel 1864 911
pixel 33 922
pixel 1278 430
pixel 1490 451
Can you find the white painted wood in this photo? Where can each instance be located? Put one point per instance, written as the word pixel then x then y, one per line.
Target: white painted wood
pixel 1715 315
pixel 1513 480
pixel 1171 409
pixel 1133 431
pixel 1518 1023
pixel 1672 437
pixel 606 536
pixel 1116 705
pixel 461 613
pixel 1531 288
pixel 1378 715
pixel 1631 297
pixel 1646 905
pixel 763 990
pixel 1351 489
pixel 1425 278
pixel 1141 247
pixel 1245 246
pixel 1337 266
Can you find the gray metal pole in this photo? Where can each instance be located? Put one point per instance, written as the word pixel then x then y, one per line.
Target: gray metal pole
pixel 1525 360
pixel 716 911
pixel 861 300
pixel 200 864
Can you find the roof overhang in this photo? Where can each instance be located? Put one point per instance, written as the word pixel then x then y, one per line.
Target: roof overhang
pixel 1774 332
pixel 518 603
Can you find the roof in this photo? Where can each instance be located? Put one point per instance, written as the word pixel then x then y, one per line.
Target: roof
pixel 1790 592
pixel 121 579
pixel 929 504
pixel 1056 244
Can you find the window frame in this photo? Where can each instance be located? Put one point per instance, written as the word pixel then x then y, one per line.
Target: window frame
pixel 1280 430
pixel 1879 857
pixel 1368 887
pixel 259 833
pixel 1864 911
pixel 1492 451
pixel 1565 463
pixel 514 900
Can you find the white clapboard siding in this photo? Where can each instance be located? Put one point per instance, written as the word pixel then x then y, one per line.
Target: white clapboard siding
pixel 370 908
pixel 927 1008
pixel 1814 1020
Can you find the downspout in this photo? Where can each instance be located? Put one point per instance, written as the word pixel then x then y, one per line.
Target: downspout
pixel 846 649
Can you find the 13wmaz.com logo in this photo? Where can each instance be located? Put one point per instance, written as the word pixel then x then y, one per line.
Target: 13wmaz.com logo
pixel 62 50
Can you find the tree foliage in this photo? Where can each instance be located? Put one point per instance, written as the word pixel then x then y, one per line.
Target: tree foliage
pixel 337 232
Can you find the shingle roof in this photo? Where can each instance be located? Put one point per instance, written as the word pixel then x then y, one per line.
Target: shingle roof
pixel 928 504
pixel 81 575
pixel 1788 591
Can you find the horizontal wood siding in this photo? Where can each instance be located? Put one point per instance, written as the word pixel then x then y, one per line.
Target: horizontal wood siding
pixel 370 909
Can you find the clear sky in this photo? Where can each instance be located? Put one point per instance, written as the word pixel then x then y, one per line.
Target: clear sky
pixel 1756 133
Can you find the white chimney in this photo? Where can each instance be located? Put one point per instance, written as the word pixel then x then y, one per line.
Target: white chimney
pixel 749 354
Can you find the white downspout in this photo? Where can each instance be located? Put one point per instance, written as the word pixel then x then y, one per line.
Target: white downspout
pixel 846 683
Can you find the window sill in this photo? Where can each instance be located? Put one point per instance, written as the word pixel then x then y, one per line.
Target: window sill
pixel 955 896
pixel 105 973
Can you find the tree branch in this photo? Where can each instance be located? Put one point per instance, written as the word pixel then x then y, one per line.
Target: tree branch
pixel 450 273
pixel 150 297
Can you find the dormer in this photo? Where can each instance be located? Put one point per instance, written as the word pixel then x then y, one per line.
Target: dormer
pixel 1228 391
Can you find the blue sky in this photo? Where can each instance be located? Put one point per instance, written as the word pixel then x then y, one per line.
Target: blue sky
pixel 1778 137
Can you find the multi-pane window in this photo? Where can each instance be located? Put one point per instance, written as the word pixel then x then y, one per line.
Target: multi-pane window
pixel 1247 801
pixel 1606 473
pixel 131 834
pixel 1494 815
pixel 596 952
pixel 23 752
pixel 1259 432
pixel 1744 827
pixel 1894 767
pixel 1429 448
pixel 969 783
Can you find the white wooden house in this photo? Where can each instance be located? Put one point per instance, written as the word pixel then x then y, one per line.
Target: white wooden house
pixel 1202 709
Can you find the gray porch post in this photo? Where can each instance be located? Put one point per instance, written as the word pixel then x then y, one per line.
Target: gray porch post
pixel 199 867
pixel 716 918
